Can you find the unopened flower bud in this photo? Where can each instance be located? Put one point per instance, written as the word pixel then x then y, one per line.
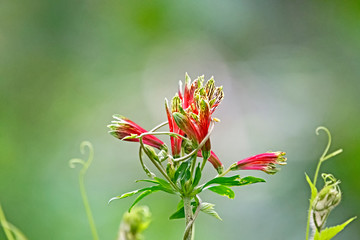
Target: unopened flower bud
pixel 150 152
pixel 125 129
pixel 264 162
pixel 326 200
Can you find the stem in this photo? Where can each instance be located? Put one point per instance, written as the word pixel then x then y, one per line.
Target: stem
pixel 188 218
pixel 85 166
pixel 163 133
pixel 158 166
pixel 225 172
pixel 190 225
pixel 87 205
pixel 195 151
pixel 5 225
pixel 158 126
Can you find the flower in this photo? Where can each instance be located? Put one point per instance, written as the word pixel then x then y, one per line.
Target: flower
pixel 264 162
pixel 198 103
pixel 127 130
pixel 173 127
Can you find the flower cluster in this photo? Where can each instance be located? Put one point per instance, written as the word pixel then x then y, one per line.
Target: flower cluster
pixel 189 117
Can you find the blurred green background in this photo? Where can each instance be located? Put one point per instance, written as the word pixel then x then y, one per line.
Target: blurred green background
pixel 67 66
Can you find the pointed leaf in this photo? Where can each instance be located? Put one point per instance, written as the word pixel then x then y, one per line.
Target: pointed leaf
pixel 223 191
pixel 312 187
pixel 329 233
pixel 234 181
pixel 229 181
pixel 180 213
pixel 249 180
pixel 197 176
pixel 147 180
pixel 208 208
pixel 180 170
pixel 129 194
pixel 165 184
pixel 141 196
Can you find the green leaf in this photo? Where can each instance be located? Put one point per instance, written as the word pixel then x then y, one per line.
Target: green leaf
pixel 180 170
pixel 208 208
pixel 229 181
pixel 312 187
pixel 165 184
pixel 197 176
pixel 180 213
pixel 147 180
pixel 249 180
pixel 185 177
pixel 233 181
pixel 223 191
pixel 141 196
pixel 129 194
pixel 329 233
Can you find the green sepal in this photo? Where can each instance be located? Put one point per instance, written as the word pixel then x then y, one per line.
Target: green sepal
pixel 175 104
pixel 132 136
pixel 329 233
pixel 162 155
pixel 150 152
pixel 170 170
pixel 205 153
pixel 223 191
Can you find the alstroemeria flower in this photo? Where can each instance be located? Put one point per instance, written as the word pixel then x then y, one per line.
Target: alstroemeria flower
pixel 264 162
pixel 173 127
pixel 198 103
pixel 123 128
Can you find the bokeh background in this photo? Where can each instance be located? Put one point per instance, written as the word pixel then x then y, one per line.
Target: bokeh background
pixel 67 66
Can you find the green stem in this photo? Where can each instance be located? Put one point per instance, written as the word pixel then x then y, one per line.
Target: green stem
pixel 225 172
pixel 158 166
pixel 310 207
pixel 188 218
pixel 87 205
pixel 195 151
pixel 5 225
pixel 82 184
pixel 158 126
pixel 321 160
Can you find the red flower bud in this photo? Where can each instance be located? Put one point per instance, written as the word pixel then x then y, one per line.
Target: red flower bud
pixel 124 128
pixel 264 162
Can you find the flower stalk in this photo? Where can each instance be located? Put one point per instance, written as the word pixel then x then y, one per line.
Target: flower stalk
pixel 188 235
